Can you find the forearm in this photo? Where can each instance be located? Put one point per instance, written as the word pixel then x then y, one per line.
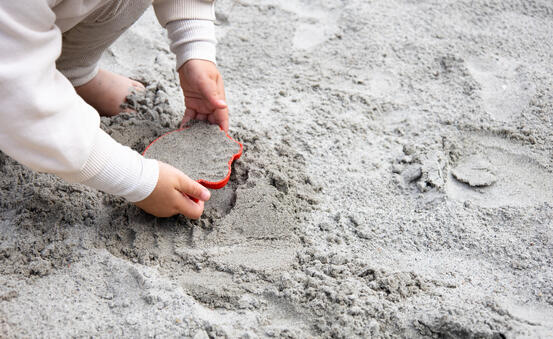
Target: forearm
pixel 44 124
pixel 118 170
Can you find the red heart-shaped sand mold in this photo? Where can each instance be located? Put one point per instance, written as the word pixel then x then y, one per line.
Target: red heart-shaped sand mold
pixel 202 151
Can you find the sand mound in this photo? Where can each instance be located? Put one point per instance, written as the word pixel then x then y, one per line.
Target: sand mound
pixel 201 150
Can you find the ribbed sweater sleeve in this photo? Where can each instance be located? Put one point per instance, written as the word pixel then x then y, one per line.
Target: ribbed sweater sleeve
pixel 190 28
pixel 44 124
pixel 192 39
pixel 171 10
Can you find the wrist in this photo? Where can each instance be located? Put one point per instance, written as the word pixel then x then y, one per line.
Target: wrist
pixel 120 170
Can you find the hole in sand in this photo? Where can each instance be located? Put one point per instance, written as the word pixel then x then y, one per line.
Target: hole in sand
pixel 221 203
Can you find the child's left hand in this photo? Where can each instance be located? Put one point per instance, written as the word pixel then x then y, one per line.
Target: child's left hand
pixel 204 93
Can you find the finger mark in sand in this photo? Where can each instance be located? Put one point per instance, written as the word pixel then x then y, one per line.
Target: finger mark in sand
pixel 504 91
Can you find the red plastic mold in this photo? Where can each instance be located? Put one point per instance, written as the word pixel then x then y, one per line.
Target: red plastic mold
pixel 205 183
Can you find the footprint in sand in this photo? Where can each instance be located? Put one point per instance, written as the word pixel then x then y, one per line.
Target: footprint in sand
pixel 505 90
pixel 317 24
pixel 494 175
pixel 383 83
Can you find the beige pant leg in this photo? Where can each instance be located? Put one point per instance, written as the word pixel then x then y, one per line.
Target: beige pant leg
pixel 83 45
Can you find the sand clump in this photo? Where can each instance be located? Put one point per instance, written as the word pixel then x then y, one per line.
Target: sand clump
pixel 346 216
pixel 475 171
pixel 201 150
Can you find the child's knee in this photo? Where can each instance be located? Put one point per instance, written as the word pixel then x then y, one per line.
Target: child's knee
pixel 84 44
pixel 122 13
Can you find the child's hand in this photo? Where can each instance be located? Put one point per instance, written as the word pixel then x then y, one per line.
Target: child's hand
pixel 170 196
pixel 204 93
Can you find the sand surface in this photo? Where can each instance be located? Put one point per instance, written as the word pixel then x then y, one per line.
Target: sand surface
pixel 397 181
pixel 201 150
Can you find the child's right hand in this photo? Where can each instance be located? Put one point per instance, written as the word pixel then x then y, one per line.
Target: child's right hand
pixel 170 196
pixel 204 93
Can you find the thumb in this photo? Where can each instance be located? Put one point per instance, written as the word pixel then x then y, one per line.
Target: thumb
pixel 209 91
pixel 193 189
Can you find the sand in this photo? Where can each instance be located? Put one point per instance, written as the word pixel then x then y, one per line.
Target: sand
pixel 201 150
pixel 397 181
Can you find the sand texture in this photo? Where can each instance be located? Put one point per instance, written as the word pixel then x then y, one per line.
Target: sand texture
pixel 396 182
pixel 475 171
pixel 202 151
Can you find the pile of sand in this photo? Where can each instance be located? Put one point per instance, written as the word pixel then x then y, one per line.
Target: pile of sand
pixel 201 150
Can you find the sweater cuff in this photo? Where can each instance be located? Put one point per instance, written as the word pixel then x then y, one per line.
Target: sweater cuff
pixel 192 39
pixel 171 10
pixel 117 169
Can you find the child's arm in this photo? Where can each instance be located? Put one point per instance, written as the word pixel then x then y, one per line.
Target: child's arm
pixel 192 33
pixel 46 126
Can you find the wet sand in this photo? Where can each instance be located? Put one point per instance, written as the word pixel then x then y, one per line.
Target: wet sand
pixel 201 150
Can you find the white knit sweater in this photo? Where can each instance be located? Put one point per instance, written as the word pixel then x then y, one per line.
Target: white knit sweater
pixel 45 125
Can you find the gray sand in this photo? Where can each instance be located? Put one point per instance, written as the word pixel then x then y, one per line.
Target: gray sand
pixel 363 205
pixel 201 151
pixel 475 171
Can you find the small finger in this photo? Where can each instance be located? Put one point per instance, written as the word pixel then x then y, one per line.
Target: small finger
pixel 199 105
pixel 211 92
pixel 193 189
pixel 219 103
pixel 220 117
pixel 189 208
pixel 189 114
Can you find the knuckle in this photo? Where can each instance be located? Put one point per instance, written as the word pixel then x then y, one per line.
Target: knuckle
pixel 196 190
